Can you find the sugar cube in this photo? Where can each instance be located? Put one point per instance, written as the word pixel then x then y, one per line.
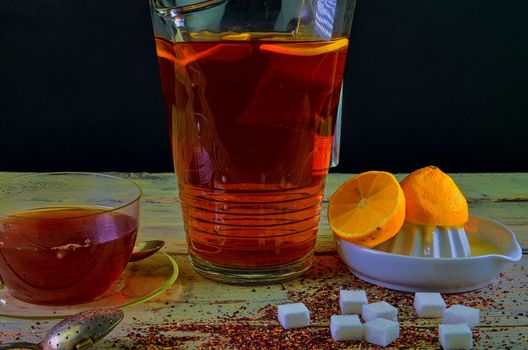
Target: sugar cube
pixel 346 327
pixel 352 301
pixel 455 336
pixel 381 309
pixel 293 315
pixel 462 314
pixel 381 331
pixel 429 305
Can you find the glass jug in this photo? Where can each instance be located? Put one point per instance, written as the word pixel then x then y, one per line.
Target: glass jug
pixel 251 91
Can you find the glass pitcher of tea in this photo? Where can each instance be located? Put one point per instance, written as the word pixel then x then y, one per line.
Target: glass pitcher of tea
pixel 251 91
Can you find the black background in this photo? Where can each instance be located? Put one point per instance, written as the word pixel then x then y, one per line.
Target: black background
pixel 427 82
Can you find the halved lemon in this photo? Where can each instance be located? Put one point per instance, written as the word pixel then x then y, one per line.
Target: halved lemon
pixel 368 209
pixel 433 198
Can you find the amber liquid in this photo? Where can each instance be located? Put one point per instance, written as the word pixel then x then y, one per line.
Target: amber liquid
pixel 61 256
pixel 251 126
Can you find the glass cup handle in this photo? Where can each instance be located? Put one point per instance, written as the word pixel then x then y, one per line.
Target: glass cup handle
pixel 334 160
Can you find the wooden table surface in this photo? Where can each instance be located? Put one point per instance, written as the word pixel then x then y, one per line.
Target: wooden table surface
pixel 197 313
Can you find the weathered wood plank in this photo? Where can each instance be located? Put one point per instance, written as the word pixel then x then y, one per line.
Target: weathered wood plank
pixel 503 197
pixel 500 196
pixel 196 301
pixel 193 299
pixel 503 303
pixel 492 187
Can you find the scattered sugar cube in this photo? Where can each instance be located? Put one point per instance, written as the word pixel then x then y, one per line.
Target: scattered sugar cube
pixel 455 336
pixel 381 309
pixel 462 314
pixel 346 327
pixel 352 301
pixel 429 305
pixel 381 331
pixel 293 315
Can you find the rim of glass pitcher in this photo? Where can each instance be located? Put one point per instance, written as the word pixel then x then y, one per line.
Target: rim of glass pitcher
pixel 185 9
pixel 130 202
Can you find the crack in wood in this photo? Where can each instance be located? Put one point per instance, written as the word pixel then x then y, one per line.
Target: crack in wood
pixel 497 200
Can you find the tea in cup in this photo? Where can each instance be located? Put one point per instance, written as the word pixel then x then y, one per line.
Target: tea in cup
pixel 65 238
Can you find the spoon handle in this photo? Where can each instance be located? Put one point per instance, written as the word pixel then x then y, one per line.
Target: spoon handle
pixel 143 250
pixel 21 345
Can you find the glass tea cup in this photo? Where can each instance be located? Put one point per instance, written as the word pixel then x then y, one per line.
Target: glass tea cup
pixel 65 238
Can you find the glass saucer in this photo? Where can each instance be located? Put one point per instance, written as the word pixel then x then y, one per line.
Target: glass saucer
pixel 141 281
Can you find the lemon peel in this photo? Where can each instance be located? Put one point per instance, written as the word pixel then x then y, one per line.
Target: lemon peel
pixel 304 49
